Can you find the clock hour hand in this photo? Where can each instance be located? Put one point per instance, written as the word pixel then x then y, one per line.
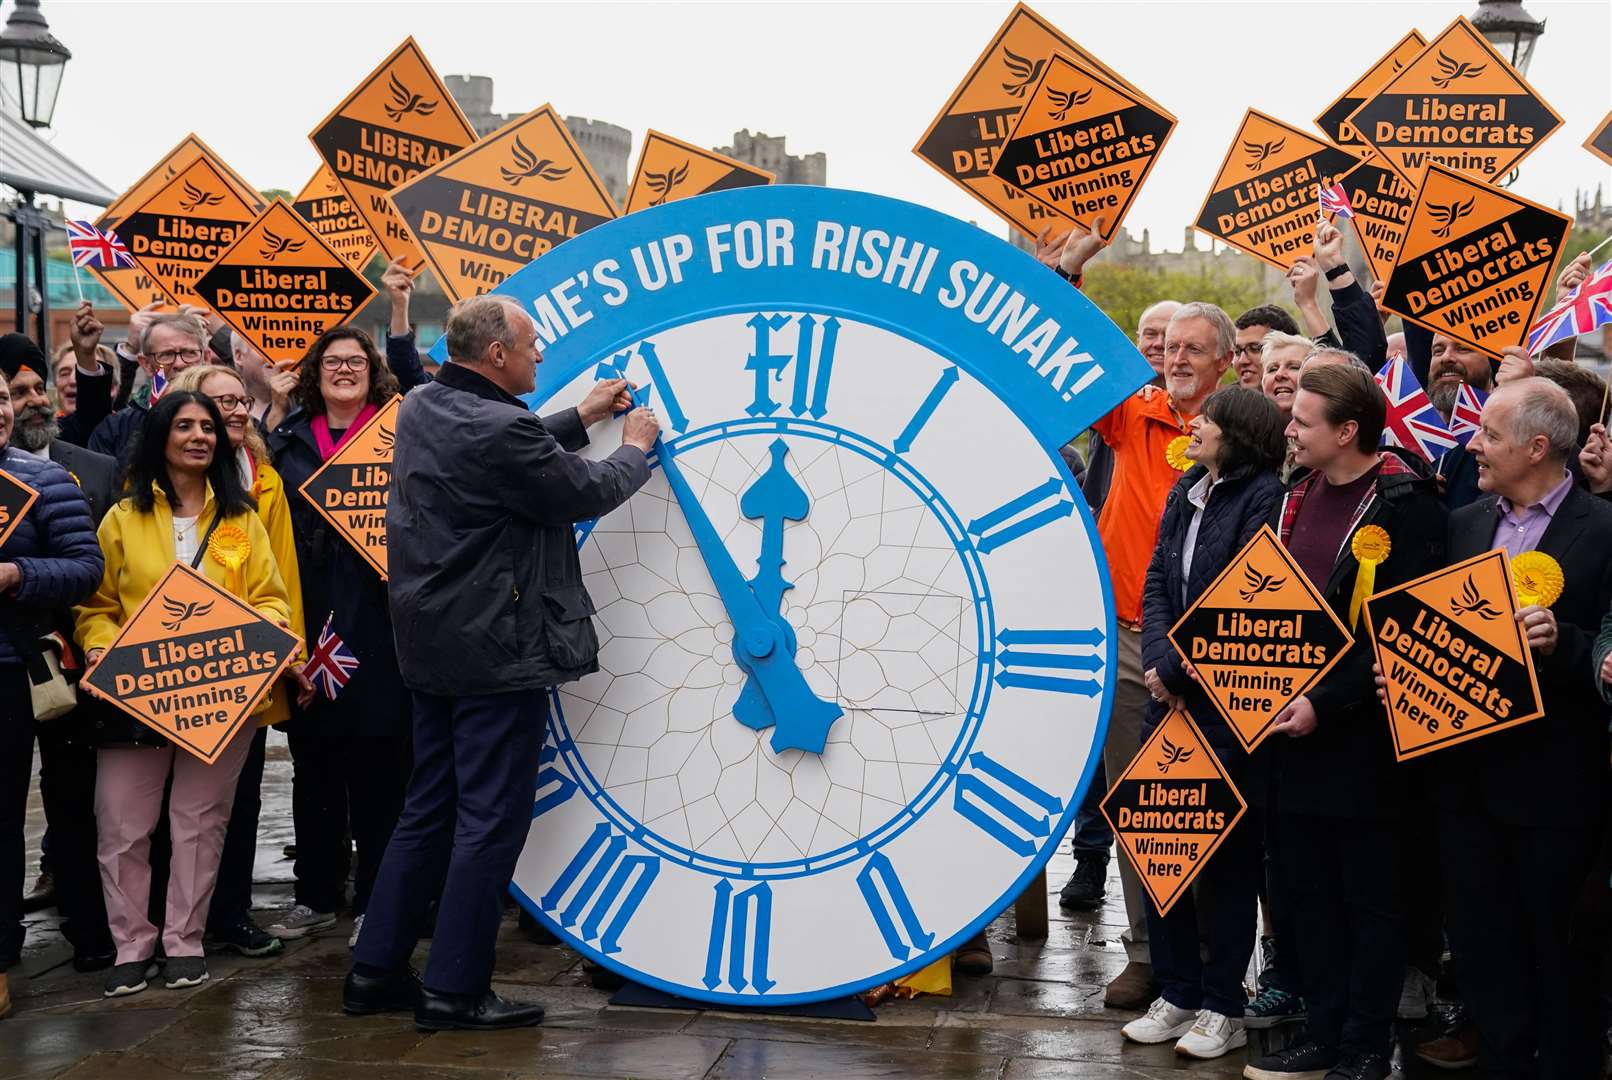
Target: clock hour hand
pixel 773 499
pixel 759 646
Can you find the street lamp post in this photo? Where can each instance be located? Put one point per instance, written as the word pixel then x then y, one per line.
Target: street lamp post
pixel 1510 29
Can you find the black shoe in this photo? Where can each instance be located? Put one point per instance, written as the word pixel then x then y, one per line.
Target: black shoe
pixel 43 895
pixel 245 937
pixel 363 995
pixel 1307 1059
pixel 184 971
pixel 129 978
pixel 472 1012
pixel 1084 891
pixel 86 962
pixel 1361 1067
pixel 601 977
pixel 535 932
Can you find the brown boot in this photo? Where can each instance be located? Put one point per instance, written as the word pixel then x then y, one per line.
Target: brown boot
pixel 973 957
pixel 5 996
pixel 1132 988
pixel 1458 1050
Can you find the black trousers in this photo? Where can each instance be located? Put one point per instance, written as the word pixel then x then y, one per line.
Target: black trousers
pixel 468 811
pixel 1340 880
pixel 16 772
pixel 344 785
pixel 67 789
pixel 1529 983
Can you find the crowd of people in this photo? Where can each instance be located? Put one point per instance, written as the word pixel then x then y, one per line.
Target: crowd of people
pixel 1472 883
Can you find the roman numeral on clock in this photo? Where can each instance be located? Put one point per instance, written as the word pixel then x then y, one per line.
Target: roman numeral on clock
pixel 733 916
pixel 604 892
pixel 1020 516
pixel 1011 810
pixel 1052 660
pixel 891 907
pixel 813 367
pixel 616 368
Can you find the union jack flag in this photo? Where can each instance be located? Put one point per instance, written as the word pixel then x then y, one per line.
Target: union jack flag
pixel 91 246
pixel 1413 423
pixel 159 383
pixel 1466 413
pixel 332 663
pixel 1583 309
pixel 1335 200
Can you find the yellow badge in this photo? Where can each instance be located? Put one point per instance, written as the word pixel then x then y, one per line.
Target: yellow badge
pixel 1176 453
pixel 229 547
pixel 1370 547
pixel 1538 578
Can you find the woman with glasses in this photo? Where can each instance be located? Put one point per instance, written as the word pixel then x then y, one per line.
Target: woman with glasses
pixel 184 500
pixel 351 751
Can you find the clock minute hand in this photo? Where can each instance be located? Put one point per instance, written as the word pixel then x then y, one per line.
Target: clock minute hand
pixel 759 646
pixel 773 499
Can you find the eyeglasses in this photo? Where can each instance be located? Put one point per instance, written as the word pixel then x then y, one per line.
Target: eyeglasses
pixel 336 363
pixel 1249 351
pixel 170 357
pixel 230 402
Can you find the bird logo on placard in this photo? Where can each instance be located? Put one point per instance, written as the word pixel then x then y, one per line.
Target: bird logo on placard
pixel 529 164
pixel 1173 754
pixel 169 173
pixel 1398 66
pixel 1448 215
pixel 1451 69
pixel 1258 582
pixel 1258 152
pixel 181 610
pixel 404 101
pixel 1471 602
pixel 385 437
pixel 196 197
pixel 1064 100
pixel 663 183
pixel 275 245
pixel 1022 70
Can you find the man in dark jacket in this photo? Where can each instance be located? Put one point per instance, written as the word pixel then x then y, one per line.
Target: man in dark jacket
pixel 167 344
pixel 49 562
pixel 1520 812
pixel 1359 327
pixel 489 610
pixel 1334 792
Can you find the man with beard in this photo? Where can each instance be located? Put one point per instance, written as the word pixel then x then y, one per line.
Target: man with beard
pixel 67 765
pixel 1450 364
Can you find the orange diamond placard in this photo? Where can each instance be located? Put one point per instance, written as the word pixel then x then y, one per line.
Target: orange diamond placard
pixel 1264 200
pixel 280 285
pixel 192 662
pixel 399 122
pixel 16 498
pixel 1083 145
pixel 182 229
pixel 351 489
pixel 1454 657
pixel 670 169
pixel 489 210
pixel 1382 205
pixel 1475 262
pixel 134 286
pixel 323 203
pixel 1259 636
pixel 1600 141
pixel 1456 104
pixel 1171 808
pixel 963 140
pixel 1334 119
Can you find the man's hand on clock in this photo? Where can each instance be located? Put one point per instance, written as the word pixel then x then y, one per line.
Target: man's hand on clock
pixel 760 647
pixel 641 429
pixel 608 397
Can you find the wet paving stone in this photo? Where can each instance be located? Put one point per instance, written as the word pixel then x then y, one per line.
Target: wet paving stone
pixel 569 1052
pixel 751 1058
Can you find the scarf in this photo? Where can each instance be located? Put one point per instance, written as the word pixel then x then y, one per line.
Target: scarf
pixel 321 431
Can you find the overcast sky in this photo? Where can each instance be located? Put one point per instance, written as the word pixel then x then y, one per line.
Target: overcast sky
pixel 858 80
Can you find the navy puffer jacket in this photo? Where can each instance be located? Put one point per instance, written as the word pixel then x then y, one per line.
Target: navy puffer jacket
pixel 1236 508
pixel 53 546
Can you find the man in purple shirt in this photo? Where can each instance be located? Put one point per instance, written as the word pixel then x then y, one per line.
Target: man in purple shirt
pixel 1520 812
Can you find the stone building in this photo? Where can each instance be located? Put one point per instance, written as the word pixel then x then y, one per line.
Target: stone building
pixel 767 152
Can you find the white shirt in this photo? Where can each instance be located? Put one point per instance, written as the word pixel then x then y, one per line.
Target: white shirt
pixel 1198 496
pixel 186 539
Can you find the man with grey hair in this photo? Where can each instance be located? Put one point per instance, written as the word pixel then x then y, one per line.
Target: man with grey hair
pixel 166 345
pixel 1198 343
pixel 489 612
pixel 1520 812
pixel 1331 354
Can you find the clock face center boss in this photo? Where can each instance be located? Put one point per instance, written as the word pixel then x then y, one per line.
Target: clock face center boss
pixel 856 632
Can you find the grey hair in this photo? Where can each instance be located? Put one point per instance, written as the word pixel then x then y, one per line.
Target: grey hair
pixel 1276 339
pixel 1544 408
pixel 478 321
pixel 186 324
pixel 1151 308
pixel 1331 354
pixel 1225 332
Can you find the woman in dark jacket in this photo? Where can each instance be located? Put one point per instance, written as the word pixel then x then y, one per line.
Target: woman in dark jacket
pixel 1209 516
pixel 351 752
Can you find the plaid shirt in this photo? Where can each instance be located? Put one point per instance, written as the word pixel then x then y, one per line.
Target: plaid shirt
pixel 1294 500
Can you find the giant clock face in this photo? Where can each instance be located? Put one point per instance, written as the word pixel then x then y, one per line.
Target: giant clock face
pixel 856 638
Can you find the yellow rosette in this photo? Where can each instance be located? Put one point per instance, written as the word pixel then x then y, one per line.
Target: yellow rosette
pixel 1538 578
pixel 1370 547
pixel 230 547
pixel 1176 453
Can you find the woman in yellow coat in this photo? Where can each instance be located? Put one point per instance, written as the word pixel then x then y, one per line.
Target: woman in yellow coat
pixel 230 923
pixel 184 501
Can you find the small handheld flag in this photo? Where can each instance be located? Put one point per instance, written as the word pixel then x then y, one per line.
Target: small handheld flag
pixel 1413 423
pixel 94 247
pixel 1466 414
pixel 1335 201
pixel 332 663
pixel 1582 310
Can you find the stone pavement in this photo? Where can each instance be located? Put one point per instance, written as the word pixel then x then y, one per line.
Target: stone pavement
pixel 1039 1016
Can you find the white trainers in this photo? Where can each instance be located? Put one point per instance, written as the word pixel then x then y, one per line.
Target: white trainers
pixel 358 925
pixel 1211 1036
pixel 301 921
pixel 1414 994
pixel 1162 1023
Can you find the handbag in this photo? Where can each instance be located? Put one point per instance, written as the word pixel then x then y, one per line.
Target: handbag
pixel 52 694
